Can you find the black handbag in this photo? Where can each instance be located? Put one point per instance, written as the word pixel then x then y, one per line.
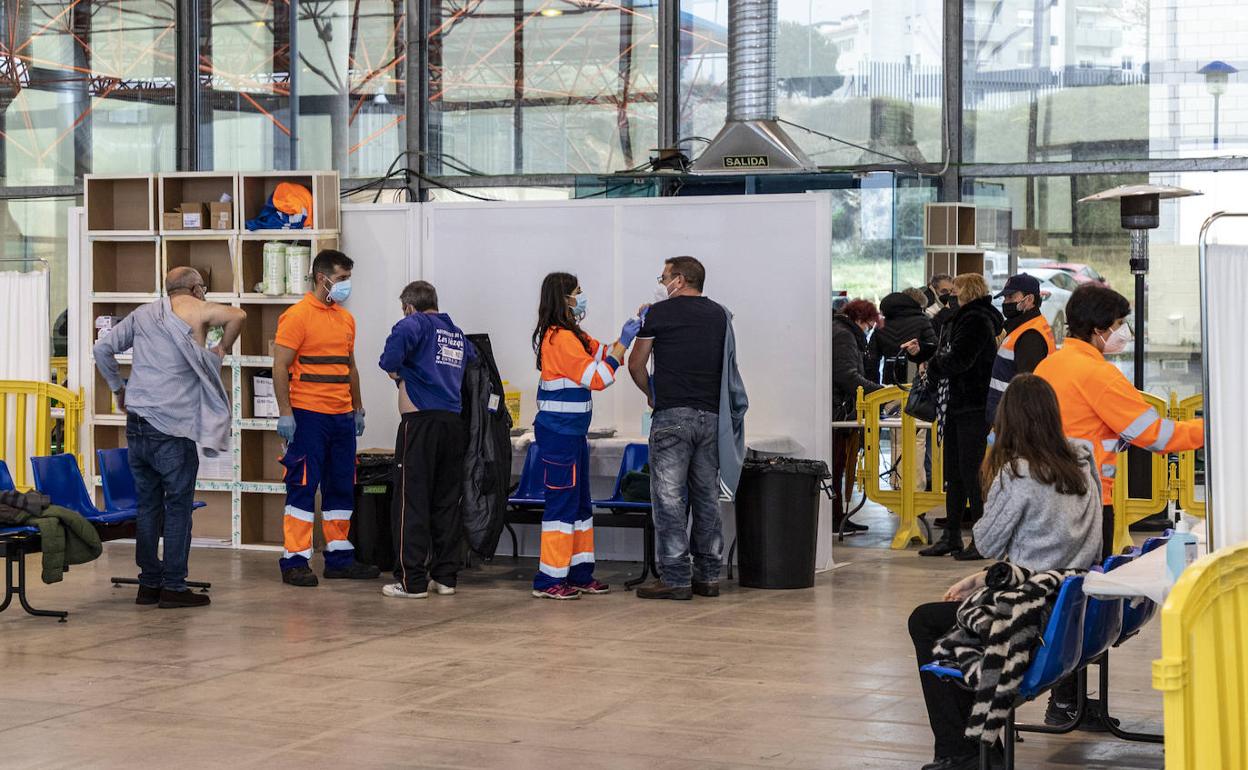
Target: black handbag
pixel 921 401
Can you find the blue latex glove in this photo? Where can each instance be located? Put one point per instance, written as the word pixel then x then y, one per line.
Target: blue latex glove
pixel 629 333
pixel 286 428
pixel 359 423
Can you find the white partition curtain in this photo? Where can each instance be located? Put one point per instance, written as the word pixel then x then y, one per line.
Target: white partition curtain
pixel 25 343
pixel 1226 357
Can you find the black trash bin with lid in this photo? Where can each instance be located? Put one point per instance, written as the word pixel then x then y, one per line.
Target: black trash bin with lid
pixel 370 524
pixel 778 522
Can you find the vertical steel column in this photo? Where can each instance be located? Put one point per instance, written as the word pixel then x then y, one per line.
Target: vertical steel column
pixel 293 101
pixel 416 90
pixel 517 109
pixel 669 72
pixel 186 84
pixel 951 108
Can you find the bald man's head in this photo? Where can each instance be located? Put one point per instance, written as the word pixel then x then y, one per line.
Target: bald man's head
pixel 185 279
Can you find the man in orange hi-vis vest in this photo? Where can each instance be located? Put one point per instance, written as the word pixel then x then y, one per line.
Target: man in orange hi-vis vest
pixel 318 397
pixel 1098 403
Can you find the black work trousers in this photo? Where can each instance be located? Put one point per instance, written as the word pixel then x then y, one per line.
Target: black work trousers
pixel 966 441
pixel 426 517
pixel 948 705
pixel 845 442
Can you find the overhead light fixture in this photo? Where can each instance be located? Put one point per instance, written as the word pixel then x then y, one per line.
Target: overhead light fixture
pixel 551 12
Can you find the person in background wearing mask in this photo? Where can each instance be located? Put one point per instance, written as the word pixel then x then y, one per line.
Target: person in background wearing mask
pixel 425 354
pixel 173 401
pixel 849 349
pixel 321 414
pixel 697 433
pixel 1098 402
pixel 1028 340
pixel 573 365
pixel 941 302
pixel 961 372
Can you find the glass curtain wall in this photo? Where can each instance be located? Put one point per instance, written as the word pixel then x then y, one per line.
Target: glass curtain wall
pixel 542 86
pixel 867 71
pixel 347 85
pixel 1061 80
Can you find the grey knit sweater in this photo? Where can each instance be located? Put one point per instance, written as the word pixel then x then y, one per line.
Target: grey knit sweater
pixel 1033 526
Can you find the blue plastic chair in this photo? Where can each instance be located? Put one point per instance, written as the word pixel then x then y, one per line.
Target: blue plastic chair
pixel 1102 620
pixel 635 458
pixel 1058 655
pixel 6 485
pixel 531 492
pixel 58 477
pixel 118 481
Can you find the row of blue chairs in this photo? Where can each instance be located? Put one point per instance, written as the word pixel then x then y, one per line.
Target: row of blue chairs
pixel 1080 632
pixel 526 503
pixel 58 477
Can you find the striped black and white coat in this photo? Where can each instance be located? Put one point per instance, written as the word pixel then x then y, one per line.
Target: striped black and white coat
pixel 998 629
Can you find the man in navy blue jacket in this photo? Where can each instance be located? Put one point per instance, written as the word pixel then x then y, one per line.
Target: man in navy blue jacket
pixel 425 354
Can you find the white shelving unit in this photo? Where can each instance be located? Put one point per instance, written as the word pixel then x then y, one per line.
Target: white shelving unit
pixel 128 255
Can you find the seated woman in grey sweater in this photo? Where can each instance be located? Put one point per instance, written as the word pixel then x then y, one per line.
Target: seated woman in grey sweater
pixel 1042 511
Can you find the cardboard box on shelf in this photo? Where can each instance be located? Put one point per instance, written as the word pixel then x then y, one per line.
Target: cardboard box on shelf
pixel 264 400
pixel 171 220
pixel 221 216
pixel 194 215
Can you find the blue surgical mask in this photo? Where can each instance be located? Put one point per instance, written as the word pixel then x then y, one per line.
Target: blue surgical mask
pixel 582 307
pixel 339 292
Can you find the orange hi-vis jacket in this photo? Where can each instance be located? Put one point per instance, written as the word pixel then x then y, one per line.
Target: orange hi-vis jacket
pixel 1004 367
pixel 323 338
pixel 1099 404
pixel 569 375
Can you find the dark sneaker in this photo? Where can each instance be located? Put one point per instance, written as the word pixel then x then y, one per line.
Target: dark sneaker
pixel 969 553
pixel 706 589
pixel 592 587
pixel 558 592
pixel 187 598
pixel 1060 715
pixel 853 528
pixel 299 576
pixel 147 595
pixel 941 548
pixel 356 571
pixel 968 762
pixel 659 590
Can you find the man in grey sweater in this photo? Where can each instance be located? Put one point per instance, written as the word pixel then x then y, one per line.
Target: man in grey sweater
pixel 173 401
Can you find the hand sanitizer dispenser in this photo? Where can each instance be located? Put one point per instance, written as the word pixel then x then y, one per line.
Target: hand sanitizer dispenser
pixel 1180 552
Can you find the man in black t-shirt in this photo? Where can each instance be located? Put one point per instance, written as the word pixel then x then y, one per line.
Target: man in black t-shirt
pixel 685 332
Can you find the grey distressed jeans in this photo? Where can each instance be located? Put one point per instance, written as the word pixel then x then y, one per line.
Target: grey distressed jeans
pixel 684 478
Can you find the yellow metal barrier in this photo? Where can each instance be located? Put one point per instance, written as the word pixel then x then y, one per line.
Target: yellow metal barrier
pixel 1183 484
pixel 1202 672
pixel 36 398
pixel 906 502
pixel 1128 510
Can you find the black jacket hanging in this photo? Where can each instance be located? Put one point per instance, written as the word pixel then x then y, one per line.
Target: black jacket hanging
pixel 487 461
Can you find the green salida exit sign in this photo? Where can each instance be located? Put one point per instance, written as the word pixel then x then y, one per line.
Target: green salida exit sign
pixel 746 161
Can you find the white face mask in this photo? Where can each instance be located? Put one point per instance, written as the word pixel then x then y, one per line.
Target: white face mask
pixel 661 293
pixel 1118 340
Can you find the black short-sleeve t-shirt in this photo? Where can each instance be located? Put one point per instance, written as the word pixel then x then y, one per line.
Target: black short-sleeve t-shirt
pixel 688 334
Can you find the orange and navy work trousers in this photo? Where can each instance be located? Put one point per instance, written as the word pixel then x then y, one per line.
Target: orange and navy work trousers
pixel 568 519
pixel 321 456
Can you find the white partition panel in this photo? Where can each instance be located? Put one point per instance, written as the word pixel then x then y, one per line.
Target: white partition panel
pixel 767 259
pixel 1227 362
pixel 381 240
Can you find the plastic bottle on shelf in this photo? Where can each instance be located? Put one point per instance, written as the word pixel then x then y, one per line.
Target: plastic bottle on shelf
pixel 298 259
pixel 274 268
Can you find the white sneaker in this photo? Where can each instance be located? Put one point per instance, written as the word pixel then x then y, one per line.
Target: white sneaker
pixel 440 589
pixel 395 590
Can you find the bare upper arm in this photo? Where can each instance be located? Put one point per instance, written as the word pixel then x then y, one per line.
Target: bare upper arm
pixel 283 357
pixel 215 314
pixel 640 354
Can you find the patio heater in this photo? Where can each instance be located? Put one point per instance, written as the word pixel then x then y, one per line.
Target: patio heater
pixel 1140 210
